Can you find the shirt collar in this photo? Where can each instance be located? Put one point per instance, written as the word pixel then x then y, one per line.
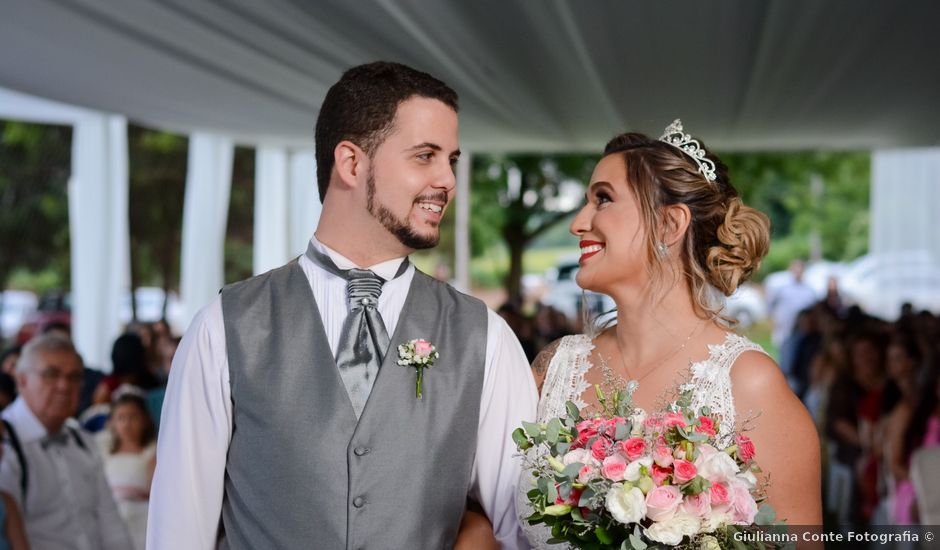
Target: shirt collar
pixel 28 427
pixel 385 270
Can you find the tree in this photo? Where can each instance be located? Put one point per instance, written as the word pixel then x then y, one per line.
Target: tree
pixel 35 163
pixel 157 174
pixel 517 198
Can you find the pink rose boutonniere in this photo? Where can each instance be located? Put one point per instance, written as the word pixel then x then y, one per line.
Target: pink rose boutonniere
pixel 420 354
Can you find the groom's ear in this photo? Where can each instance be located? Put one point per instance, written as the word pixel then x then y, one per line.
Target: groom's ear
pixel 676 220
pixel 349 163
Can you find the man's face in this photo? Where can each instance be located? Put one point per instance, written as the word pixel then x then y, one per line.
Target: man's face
pixel 411 177
pixel 51 387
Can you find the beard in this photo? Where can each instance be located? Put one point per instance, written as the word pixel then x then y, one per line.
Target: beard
pixel 405 234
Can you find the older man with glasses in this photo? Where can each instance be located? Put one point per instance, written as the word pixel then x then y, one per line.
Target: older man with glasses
pixel 50 468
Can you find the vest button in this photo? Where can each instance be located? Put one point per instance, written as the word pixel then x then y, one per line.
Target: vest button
pixel 359 502
pixel 361 451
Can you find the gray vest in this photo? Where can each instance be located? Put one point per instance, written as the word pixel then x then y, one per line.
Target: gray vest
pixel 301 472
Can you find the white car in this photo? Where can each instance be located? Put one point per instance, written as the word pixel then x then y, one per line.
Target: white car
pixel 746 305
pixel 150 307
pixel 15 307
pixel 881 283
pixel 566 296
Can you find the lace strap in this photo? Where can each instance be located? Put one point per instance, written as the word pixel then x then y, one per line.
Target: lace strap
pixel 564 378
pixel 712 381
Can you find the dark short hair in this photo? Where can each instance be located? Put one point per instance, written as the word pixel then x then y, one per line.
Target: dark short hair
pixel 361 108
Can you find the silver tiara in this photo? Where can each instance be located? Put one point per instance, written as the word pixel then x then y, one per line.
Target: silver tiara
pixel 684 142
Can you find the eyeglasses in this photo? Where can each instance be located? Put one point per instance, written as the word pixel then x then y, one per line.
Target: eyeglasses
pixel 51 376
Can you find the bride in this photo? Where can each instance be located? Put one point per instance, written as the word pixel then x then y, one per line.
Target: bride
pixel 662 232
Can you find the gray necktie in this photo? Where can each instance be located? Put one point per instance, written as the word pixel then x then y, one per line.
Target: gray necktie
pixel 364 339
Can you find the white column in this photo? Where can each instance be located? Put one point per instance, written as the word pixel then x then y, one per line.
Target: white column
pixel 462 223
pixel 205 212
pixel 270 248
pixel 305 204
pixel 905 198
pixel 99 232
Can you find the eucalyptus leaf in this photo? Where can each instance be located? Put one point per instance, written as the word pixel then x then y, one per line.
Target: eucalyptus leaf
pixel 623 430
pixel 573 412
pixel 572 470
pixel 532 429
pixel 520 439
pixel 552 431
pixel 636 542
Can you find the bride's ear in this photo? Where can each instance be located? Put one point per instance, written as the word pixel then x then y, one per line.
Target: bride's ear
pixel 676 220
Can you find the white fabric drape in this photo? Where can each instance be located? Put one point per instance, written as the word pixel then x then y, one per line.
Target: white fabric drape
pixel 905 198
pixel 205 213
pixel 271 206
pixel 304 204
pixel 98 221
pixel 287 206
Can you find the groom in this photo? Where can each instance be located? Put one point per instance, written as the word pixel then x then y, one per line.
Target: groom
pixel 288 421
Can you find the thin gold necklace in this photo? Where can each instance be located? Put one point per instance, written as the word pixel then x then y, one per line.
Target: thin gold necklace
pixel 650 370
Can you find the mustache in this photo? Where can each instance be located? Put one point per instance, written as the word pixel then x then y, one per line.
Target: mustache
pixel 436 197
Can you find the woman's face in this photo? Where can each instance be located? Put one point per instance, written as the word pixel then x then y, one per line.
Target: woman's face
pixel 899 362
pixel 611 231
pixel 128 422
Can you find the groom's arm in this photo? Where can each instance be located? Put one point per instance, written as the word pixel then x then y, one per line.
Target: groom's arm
pixel 508 398
pixel 195 431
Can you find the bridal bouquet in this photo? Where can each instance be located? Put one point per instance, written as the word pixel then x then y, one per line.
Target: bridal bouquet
pixel 624 480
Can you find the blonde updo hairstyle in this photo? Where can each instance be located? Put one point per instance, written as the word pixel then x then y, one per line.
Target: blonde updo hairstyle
pixel 725 240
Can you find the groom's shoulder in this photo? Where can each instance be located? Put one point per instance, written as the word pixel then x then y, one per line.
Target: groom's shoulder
pixel 258 282
pixel 448 293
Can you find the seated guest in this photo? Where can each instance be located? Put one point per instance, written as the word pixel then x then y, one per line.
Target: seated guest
pixel 129 450
pixel 51 469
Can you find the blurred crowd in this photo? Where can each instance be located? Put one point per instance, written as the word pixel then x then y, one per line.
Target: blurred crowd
pixel 80 445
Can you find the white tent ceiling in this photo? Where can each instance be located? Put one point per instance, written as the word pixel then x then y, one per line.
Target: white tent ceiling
pixel 533 75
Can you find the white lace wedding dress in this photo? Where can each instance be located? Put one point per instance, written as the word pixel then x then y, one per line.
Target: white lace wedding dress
pixel 565 381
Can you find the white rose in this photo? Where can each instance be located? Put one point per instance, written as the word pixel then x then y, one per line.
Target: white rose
pixel 632 473
pixel 578 455
pixel 627 506
pixel 715 465
pixel 717 518
pixel 636 419
pixel 709 542
pixel 749 479
pixel 671 531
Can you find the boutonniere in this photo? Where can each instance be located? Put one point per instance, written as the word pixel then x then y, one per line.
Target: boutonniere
pixel 420 354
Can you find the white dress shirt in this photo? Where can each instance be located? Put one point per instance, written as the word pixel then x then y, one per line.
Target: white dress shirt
pixel 68 503
pixel 196 422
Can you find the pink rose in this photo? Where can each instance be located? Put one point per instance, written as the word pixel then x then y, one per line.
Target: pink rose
pixel 587 473
pixel 660 474
pixel 743 507
pixel 633 447
pixel 423 348
pixel 653 423
pixel 683 471
pixel 610 426
pixel 572 499
pixel 696 505
pixel 673 419
pixel 718 493
pixel 601 448
pixel 706 426
pixel 586 430
pixel 661 502
pixel 746 448
pixel 662 455
pixel 614 467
